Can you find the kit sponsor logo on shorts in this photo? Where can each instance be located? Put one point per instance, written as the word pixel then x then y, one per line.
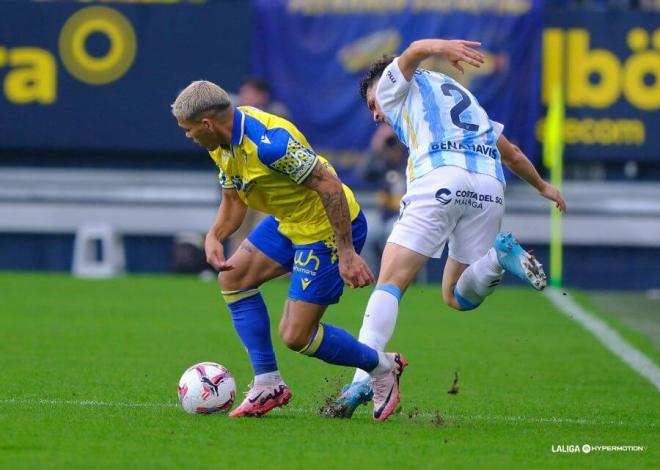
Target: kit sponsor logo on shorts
pixel 442 196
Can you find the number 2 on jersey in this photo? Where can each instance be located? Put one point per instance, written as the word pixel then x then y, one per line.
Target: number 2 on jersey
pixel 461 106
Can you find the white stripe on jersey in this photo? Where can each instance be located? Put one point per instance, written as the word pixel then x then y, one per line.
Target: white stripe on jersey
pixel 440 122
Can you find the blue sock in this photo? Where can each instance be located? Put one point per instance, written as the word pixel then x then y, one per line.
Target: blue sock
pixel 337 346
pixel 464 303
pixel 250 316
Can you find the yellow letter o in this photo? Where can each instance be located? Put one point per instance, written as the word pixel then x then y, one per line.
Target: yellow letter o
pixel 80 63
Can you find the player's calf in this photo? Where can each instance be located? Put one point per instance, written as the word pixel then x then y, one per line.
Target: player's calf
pixel 476 282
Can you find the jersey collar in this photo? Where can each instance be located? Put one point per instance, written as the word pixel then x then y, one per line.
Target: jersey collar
pixel 238 130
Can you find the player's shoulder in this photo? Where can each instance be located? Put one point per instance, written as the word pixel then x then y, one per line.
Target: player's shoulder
pixel 273 136
pixel 445 80
pixel 260 120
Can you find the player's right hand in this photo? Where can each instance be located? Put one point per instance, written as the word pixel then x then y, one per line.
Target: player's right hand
pixel 215 254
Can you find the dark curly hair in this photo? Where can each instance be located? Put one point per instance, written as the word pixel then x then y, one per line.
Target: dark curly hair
pixel 373 74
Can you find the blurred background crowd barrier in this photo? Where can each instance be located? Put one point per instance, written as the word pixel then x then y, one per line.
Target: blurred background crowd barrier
pixel 88 145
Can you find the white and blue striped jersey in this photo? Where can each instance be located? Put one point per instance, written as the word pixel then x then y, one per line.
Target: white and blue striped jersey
pixel 440 122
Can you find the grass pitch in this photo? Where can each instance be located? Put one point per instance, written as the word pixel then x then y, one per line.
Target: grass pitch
pixel 89 372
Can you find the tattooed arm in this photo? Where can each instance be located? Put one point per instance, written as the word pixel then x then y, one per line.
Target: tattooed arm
pixel 353 270
pixel 331 192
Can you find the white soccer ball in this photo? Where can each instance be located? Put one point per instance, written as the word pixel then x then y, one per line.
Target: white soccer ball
pixel 206 387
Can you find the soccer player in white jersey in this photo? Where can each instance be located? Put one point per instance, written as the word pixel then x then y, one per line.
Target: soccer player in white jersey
pixel 455 193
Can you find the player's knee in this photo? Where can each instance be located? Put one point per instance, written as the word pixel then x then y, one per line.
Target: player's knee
pixel 295 339
pixel 230 280
pixel 294 335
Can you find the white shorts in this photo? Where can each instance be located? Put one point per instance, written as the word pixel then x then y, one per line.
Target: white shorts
pixel 450 203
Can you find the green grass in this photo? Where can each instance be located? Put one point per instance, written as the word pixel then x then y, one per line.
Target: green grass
pixel 639 337
pixel 529 379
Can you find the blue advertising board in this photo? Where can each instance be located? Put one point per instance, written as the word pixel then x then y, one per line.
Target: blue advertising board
pixel 315 52
pixel 608 64
pixel 102 77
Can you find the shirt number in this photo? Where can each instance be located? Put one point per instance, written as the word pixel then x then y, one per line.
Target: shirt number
pixel 461 106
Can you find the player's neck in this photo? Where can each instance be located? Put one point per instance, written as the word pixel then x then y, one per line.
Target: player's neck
pixel 225 127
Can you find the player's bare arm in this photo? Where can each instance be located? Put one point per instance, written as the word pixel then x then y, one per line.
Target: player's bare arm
pixel 517 161
pixel 228 219
pixel 352 268
pixel 454 50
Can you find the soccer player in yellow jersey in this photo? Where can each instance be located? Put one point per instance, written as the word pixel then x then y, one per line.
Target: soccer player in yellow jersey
pixel 315 231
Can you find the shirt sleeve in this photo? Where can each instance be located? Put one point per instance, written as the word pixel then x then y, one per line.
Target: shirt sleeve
pixel 281 152
pixel 225 182
pixel 497 128
pixel 392 88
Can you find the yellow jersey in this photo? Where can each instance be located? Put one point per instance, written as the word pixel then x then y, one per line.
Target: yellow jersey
pixel 266 163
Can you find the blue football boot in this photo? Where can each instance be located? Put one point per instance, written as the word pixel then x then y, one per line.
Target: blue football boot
pixel 352 396
pixel 514 259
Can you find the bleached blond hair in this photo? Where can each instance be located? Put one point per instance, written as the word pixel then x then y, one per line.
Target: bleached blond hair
pixel 198 98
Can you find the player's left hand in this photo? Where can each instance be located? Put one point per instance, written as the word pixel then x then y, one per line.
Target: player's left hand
pixel 550 192
pixel 354 270
pixel 458 50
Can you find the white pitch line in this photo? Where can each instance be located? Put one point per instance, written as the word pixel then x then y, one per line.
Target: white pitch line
pixel 314 411
pixel 639 362
pixel 90 403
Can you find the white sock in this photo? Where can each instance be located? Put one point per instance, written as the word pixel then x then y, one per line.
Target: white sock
pixel 379 321
pixel 384 365
pixel 269 378
pixel 480 279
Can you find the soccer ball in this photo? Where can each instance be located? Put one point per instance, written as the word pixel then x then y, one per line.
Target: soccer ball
pixel 206 387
